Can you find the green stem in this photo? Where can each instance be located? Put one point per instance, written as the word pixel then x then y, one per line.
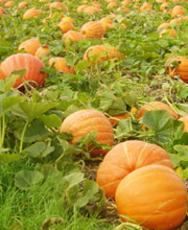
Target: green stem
pixel 22 136
pixel 2 131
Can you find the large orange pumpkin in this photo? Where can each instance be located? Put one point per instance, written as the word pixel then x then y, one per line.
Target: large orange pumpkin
pixel 80 123
pixel 154 196
pixel 178 65
pixel 30 63
pixel 93 29
pixel 101 53
pixel 125 158
pixel 156 105
pixel 184 119
pixel 114 120
pixel 30 45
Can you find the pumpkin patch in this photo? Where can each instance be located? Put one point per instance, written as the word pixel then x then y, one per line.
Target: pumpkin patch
pixel 94 114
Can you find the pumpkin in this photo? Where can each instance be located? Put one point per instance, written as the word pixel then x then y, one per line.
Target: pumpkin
pixel 154 196
pixel 156 105
pixel 184 119
pixel 31 13
pixel 58 6
pixel 1 11
pixel 178 11
pixel 101 53
pixel 22 5
pixel 82 122
pixel 60 64
pixel 146 6
pixel 170 32
pixel 72 36
pixel 125 158
pixel 42 51
pixel 89 9
pixel 178 65
pixel 112 4
pixel 93 29
pixel 30 63
pixel 114 120
pixel 107 22
pixel 9 4
pixel 163 26
pixel 164 6
pixel 66 24
pixel 30 45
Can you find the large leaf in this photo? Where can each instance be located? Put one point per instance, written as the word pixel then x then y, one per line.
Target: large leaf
pixel 6 158
pixel 27 178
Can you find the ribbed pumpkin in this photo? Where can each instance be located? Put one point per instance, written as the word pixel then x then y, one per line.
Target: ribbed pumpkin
pixel 30 45
pixel 31 13
pixel 154 196
pixel 82 122
pixel 60 64
pixel 73 36
pixel 125 158
pixel 156 105
pixel 101 53
pixel 178 65
pixel 30 63
pixel 184 119
pixel 178 11
pixel 93 29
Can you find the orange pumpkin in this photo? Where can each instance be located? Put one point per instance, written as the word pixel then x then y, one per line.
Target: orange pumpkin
pixel 30 63
pixel 31 13
pixel 163 26
pixel 112 4
pixel 154 196
pixel 93 29
pixel 22 5
pixel 89 9
pixel 1 11
pixel 164 6
pixel 125 158
pixel 178 11
pixel 66 24
pixel 184 119
pixel 82 122
pixel 101 53
pixel 107 22
pixel 58 6
pixel 9 4
pixel 156 105
pixel 42 51
pixel 60 64
pixel 72 36
pixel 178 65
pixel 30 45
pixel 146 6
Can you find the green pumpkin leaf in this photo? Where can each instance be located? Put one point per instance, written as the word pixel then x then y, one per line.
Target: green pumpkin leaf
pixel 24 179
